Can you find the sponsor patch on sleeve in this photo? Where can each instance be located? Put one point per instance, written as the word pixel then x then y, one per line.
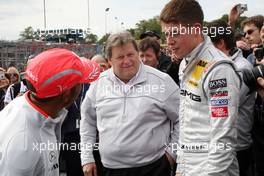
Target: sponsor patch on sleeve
pixel 223 93
pixel 219 83
pixel 219 102
pixel 219 112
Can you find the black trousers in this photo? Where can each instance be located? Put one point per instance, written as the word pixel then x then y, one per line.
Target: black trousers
pixel 245 162
pixel 161 167
pixel 72 157
pixel 258 148
pixel 99 165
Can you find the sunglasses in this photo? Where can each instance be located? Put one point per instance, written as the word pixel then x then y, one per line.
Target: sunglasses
pixel 13 74
pixel 249 32
pixel 103 65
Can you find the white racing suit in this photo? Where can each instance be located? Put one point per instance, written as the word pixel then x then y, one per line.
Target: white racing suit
pixel 208 113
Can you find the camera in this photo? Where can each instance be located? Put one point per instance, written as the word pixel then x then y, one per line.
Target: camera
pixel 2 75
pixel 259 52
pixel 241 8
pixel 250 76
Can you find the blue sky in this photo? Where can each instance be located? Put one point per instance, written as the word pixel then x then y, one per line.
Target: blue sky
pixel 15 15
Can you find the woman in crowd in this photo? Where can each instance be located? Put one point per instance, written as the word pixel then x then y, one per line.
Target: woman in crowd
pixel 14 74
pixel 4 83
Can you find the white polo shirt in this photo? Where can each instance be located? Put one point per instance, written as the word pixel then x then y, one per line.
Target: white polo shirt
pixel 29 140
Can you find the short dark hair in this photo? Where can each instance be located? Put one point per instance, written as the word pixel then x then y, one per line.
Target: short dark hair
pixel 149 34
pixel 257 20
pixel 227 34
pixel 182 11
pixel 238 34
pixel 147 43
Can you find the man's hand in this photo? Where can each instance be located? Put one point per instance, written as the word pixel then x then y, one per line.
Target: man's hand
pixel 260 90
pixel 178 174
pixel 242 45
pixel 170 159
pixel 233 16
pixel 261 82
pixel 261 62
pixel 90 169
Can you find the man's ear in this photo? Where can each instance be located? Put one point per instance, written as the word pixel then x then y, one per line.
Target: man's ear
pixel 109 61
pixel 220 44
pixel 65 97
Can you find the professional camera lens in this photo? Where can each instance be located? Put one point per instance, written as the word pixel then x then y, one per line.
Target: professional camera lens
pixel 250 76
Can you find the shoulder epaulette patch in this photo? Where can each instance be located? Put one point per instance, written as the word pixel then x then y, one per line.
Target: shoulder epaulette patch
pixel 198 70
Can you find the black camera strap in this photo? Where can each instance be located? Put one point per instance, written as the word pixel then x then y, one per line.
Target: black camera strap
pixel 233 51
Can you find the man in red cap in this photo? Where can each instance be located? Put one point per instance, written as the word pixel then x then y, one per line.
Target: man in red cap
pixel 30 125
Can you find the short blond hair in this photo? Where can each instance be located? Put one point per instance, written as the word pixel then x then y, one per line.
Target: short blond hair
pixel 119 39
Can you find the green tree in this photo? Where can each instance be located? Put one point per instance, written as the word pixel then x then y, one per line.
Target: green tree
pixel 132 31
pixel 103 39
pixel 28 33
pixel 238 22
pixel 91 38
pixel 147 25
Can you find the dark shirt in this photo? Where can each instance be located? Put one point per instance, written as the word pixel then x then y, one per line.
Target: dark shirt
pixel 71 122
pixel 164 62
pixel 2 97
pixel 173 71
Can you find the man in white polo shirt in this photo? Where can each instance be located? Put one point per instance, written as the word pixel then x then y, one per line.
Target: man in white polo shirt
pixel 30 125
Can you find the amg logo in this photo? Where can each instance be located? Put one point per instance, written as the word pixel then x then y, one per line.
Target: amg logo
pixel 214 84
pixel 202 63
pixel 191 95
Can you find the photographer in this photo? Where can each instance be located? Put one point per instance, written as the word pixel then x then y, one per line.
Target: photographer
pixel 258 134
pixel 252 28
pixel 258 53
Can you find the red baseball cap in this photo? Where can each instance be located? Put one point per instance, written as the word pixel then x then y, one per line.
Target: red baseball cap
pixel 56 70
